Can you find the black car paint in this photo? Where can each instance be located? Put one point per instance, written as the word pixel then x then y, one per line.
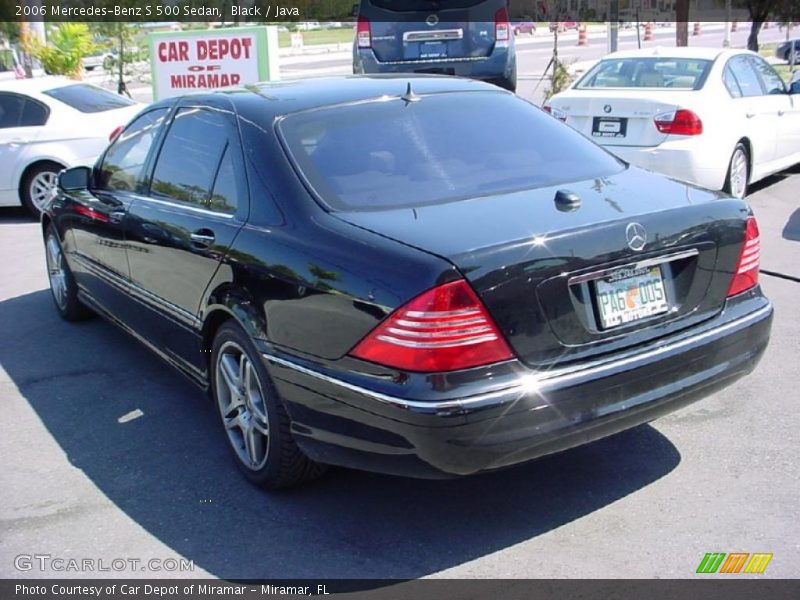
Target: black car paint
pixel 307 285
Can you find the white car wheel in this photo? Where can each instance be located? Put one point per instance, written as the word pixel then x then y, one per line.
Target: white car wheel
pixel 738 173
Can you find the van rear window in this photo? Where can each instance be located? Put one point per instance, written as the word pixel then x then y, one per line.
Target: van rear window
pixel 389 153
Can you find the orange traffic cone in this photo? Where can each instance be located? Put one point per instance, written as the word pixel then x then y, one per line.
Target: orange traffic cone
pixel 583 39
pixel 696 29
pixel 648 32
pixel 734 26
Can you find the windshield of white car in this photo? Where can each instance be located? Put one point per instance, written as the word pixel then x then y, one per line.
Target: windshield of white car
pixel 88 98
pixel 647 72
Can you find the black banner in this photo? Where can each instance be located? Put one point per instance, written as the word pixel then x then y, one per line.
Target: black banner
pixel 273 11
pixel 708 588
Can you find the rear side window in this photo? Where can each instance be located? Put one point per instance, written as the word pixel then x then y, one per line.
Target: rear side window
pixel 88 98
pixel 123 164
pixel 391 154
pixel 21 111
pixel 647 72
pixel 731 83
pixel 746 76
pixel 190 156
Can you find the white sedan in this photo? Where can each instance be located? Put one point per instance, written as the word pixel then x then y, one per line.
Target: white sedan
pixel 48 124
pixel 721 119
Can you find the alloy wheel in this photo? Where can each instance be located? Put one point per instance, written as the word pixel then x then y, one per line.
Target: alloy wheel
pixel 41 187
pixel 241 404
pixel 56 271
pixel 738 175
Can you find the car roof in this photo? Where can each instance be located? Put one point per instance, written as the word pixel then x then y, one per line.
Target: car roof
pixel 35 85
pixel 698 52
pixel 265 101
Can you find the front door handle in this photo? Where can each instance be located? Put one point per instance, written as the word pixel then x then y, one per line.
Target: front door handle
pixel 750 115
pixel 116 216
pixel 202 238
pixel 781 113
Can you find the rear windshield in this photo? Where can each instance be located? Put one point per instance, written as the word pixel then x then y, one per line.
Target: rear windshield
pixel 88 98
pixel 649 72
pixel 391 154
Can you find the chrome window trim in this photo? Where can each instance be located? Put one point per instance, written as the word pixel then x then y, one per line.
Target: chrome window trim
pixel 187 206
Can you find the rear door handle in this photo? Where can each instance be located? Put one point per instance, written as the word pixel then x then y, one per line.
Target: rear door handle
pixel 202 238
pixel 750 115
pixel 116 216
pixel 781 113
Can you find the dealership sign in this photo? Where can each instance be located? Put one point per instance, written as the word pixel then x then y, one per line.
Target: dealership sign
pixel 190 61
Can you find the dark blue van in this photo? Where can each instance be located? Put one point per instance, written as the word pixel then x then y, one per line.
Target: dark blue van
pixel 468 38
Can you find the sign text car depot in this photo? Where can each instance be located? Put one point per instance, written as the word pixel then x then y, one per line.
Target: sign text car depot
pixel 189 61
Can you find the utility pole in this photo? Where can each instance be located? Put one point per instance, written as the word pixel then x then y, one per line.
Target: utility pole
pixel 613 25
pixel 726 42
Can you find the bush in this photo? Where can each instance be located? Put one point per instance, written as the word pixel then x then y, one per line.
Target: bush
pixel 66 45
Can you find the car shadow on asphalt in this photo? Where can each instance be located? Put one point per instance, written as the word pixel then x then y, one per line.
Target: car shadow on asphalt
pixel 791 231
pixel 169 470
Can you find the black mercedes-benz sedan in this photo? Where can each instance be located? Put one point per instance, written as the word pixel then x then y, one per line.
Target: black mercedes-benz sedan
pixel 381 273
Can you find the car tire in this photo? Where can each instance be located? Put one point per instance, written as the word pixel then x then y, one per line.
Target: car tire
pixel 62 283
pixel 738 172
pixel 508 83
pixel 36 186
pixel 253 417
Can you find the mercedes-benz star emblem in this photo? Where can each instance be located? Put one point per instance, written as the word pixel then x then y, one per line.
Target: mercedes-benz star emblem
pixel 636 235
pixel 432 20
pixel 607 108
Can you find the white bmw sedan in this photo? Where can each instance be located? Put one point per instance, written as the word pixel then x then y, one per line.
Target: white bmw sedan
pixel 48 124
pixel 721 119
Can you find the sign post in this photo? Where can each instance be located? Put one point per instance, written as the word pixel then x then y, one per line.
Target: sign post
pixel 188 61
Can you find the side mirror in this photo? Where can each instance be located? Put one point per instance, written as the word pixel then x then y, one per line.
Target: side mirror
pixel 74 179
pixel 794 88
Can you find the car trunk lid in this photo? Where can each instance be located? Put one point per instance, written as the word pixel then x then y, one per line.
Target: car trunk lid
pixel 541 270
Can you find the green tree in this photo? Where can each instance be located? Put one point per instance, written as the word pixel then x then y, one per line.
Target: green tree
pixel 121 37
pixel 67 44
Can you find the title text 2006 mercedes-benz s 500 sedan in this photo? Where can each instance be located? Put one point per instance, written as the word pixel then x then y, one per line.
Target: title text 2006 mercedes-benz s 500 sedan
pixel 379 272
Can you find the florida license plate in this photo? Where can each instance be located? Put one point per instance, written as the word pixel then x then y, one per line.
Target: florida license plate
pixel 629 295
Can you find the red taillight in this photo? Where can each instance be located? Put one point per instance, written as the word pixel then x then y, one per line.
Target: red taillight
pixel 445 329
pixel 115 133
pixel 746 274
pixel 363 34
pixel 679 122
pixel 558 114
pixel 502 28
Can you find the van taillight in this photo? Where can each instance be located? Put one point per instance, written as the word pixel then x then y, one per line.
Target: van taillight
pixel 363 34
pixel 502 28
pixel 444 329
pixel 746 274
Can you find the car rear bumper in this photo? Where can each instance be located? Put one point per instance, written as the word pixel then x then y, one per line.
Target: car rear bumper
pixel 339 422
pixel 499 64
pixel 679 159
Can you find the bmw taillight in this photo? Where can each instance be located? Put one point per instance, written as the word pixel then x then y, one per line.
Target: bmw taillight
pixel 444 329
pixel 363 34
pixel 679 122
pixel 746 274
pixel 558 114
pixel 502 28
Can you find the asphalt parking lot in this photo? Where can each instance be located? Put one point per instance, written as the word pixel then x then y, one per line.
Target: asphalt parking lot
pixel 80 481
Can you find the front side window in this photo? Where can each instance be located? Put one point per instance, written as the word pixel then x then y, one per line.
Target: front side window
pixel 123 164
pixel 773 84
pixel 88 98
pixel 21 111
pixel 392 154
pixel 190 156
pixel 647 72
pixel 746 77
